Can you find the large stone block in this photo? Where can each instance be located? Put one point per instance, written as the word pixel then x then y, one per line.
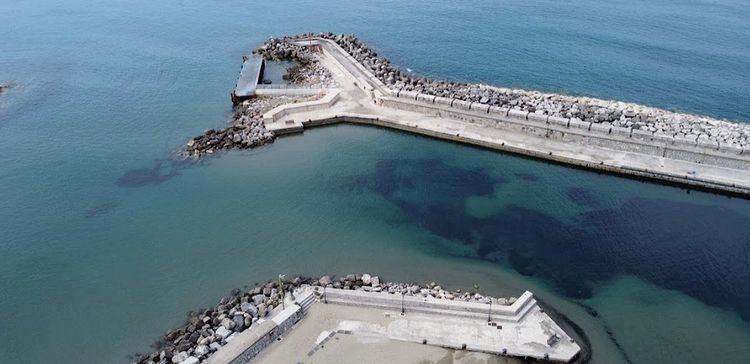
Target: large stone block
pixel 426 98
pixel 618 130
pixel 558 120
pixel 642 134
pixel 460 104
pixel 502 111
pixel 664 138
pixel 480 107
pixel 539 118
pixel 730 148
pixel 518 114
pixel 579 124
pixel 411 95
pixel 601 128
pixel 709 144
pixel 443 101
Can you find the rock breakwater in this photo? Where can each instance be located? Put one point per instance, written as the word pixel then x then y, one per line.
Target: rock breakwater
pixel 306 71
pixel 247 129
pixel 585 109
pixel 207 330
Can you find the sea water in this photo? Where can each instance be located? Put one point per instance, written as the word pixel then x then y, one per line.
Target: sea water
pixel 105 242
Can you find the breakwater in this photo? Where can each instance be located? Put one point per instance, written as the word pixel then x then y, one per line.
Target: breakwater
pixel 208 330
pixel 693 159
pixel 655 121
pixel 247 129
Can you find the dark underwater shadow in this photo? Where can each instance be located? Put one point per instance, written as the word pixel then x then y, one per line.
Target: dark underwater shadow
pixel 160 172
pixel 100 209
pixel 700 250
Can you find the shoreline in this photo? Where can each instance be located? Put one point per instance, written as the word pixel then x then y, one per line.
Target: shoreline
pixel 234 329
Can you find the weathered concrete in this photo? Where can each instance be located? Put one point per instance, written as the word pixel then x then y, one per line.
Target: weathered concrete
pixel 521 329
pixel 248 344
pixel 633 152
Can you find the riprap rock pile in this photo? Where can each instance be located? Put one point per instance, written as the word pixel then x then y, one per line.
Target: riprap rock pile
pixel 247 131
pixel 306 71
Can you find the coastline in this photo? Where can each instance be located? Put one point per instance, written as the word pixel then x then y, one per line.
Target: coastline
pixel 247 322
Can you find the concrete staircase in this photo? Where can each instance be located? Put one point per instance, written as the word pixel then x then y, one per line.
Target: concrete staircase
pixel 305 299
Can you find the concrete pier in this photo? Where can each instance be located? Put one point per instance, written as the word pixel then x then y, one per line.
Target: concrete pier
pixel 362 98
pixel 410 328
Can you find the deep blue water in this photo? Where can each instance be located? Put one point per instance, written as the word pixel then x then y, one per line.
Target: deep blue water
pixel 105 243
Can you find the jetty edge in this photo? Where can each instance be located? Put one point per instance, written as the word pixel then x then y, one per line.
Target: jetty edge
pixel 245 325
pixel 610 136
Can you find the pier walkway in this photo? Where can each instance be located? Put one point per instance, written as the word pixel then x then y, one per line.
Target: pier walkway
pixel 362 98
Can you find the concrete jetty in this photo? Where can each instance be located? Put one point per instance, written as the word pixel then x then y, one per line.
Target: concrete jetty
pixel 363 98
pixel 373 322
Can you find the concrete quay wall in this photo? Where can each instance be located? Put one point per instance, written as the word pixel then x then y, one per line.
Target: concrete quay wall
pixel 249 343
pixel 648 174
pixel 431 305
pixel 281 111
pixel 628 140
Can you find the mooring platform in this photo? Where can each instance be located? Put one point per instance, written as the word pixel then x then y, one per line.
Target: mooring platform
pixel 251 74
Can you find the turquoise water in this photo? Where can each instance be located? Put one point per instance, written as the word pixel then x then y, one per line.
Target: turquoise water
pixel 105 244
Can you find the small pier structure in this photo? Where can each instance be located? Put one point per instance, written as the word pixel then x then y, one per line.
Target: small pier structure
pixel 251 74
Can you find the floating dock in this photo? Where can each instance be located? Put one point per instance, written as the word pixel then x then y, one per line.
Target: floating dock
pixel 251 75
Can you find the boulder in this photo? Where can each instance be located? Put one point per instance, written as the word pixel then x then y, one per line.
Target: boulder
pixel 325 280
pixel 214 346
pixel 249 308
pixel 239 323
pixel 180 357
pixel 201 350
pixel 222 332
pixel 227 324
pixel 191 360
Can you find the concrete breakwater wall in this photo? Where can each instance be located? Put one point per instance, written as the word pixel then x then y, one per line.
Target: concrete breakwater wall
pixel 591 111
pixel 429 304
pixel 575 131
pixel 652 174
pixel 257 316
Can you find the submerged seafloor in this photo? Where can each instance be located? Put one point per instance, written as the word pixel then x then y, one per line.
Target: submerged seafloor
pixel 105 244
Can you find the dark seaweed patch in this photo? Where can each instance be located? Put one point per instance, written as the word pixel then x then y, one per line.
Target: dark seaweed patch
pixel 140 177
pixel 100 209
pixel 700 250
pixel 583 197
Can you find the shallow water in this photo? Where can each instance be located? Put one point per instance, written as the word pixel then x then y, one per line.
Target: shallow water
pixel 106 243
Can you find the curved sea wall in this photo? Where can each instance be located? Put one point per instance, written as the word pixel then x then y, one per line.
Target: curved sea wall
pixel 590 111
